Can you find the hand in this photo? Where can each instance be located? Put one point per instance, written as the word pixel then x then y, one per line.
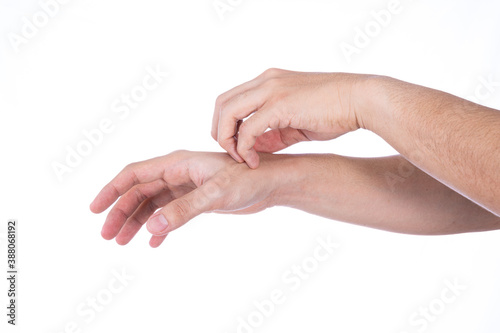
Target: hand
pixel 295 106
pixel 183 184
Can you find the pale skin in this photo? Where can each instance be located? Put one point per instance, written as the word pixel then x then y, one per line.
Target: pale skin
pixel 455 141
pixel 458 192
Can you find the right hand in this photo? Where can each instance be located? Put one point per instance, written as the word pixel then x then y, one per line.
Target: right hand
pixel 295 106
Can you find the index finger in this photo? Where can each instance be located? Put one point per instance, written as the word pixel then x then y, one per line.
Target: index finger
pixel 223 98
pixel 133 174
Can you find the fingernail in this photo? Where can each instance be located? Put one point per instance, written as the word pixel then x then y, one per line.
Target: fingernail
pixel 157 223
pixel 237 157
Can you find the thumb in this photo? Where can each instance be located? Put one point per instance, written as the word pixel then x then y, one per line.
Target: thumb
pixel 278 139
pixel 179 211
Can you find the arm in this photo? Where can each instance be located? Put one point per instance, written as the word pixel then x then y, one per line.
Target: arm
pixel 455 141
pixel 168 191
pixel 386 193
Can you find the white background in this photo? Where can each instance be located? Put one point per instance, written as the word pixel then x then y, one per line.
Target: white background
pixel 64 80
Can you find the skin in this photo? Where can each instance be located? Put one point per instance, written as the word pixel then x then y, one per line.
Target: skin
pixel 445 180
pixel 453 140
pixel 181 185
pixel 364 191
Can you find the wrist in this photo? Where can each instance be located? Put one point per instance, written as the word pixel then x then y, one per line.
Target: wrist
pixel 369 100
pixel 286 174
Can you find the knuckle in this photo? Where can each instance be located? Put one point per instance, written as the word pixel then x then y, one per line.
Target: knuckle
pixel 134 220
pixel 243 147
pixel 114 188
pixel 179 153
pixel 252 126
pixel 213 189
pixel 139 195
pixel 180 209
pixel 245 133
pixel 274 122
pixel 118 211
pixel 227 145
pixel 224 139
pixel 220 100
pixel 225 112
pixel 129 167
pixel 270 72
pixel 129 172
pixel 222 180
pixel 151 206
pixel 222 108
pixel 278 112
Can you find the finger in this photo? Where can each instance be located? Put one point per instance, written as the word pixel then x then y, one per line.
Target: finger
pixel 128 204
pixel 133 174
pixel 236 109
pixel 180 211
pixel 278 139
pixel 228 140
pixel 156 241
pixel 252 128
pixel 223 98
pixel 141 215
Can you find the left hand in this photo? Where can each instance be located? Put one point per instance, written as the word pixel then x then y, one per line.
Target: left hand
pixel 184 184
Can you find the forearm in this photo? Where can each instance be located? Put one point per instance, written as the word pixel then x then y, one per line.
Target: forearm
pixel 363 191
pixel 455 141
